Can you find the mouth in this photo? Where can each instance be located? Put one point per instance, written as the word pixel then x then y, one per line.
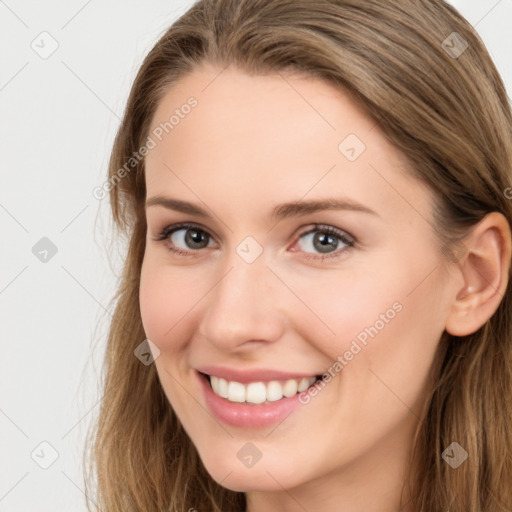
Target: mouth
pixel 258 392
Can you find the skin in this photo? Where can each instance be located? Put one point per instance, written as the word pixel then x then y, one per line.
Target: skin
pixel 251 143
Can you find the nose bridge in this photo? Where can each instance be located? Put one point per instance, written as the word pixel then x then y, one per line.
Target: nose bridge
pixel 243 305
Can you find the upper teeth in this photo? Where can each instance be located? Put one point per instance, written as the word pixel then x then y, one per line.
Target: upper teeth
pixel 258 392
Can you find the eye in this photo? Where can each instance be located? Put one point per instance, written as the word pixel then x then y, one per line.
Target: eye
pixel 326 239
pixel 190 236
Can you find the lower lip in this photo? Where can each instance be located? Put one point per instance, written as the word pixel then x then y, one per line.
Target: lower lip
pixel 247 416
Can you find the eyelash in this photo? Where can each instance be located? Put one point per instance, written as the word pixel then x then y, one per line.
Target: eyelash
pixel 348 240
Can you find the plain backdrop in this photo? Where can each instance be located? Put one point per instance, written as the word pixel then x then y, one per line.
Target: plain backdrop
pixel 67 68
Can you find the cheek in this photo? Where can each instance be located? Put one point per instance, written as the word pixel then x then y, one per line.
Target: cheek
pixel 387 338
pixel 166 296
pixel 346 306
pixel 380 317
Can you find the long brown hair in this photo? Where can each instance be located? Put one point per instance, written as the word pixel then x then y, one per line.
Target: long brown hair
pixel 423 74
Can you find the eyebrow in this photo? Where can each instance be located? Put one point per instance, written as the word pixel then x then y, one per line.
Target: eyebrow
pixel 279 212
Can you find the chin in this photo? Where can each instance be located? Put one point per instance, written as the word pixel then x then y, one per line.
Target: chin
pixel 269 475
pixel 249 481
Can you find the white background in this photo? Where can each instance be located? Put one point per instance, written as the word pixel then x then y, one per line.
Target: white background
pixel 58 118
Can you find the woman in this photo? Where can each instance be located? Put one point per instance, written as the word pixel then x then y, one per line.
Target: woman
pixel 314 312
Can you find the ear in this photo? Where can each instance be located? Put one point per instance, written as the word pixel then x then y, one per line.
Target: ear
pixel 485 271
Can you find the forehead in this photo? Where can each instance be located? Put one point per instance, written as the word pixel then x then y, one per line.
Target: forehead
pixel 280 111
pixel 271 138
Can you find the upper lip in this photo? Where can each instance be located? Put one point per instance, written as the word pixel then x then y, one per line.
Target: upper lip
pixel 254 375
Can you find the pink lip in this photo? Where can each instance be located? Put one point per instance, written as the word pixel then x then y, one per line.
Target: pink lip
pixel 246 376
pixel 243 415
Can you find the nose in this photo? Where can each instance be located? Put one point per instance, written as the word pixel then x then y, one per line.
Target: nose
pixel 246 307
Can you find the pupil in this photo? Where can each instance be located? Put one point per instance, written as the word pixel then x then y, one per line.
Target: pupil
pixel 194 237
pixel 323 237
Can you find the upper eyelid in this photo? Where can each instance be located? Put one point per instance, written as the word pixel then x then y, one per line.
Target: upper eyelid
pixel 172 228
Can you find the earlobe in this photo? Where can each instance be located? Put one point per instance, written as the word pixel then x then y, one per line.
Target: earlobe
pixel 485 271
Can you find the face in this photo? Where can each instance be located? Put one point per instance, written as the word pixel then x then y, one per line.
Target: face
pixel 266 297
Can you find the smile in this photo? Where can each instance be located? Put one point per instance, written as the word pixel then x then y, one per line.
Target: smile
pixel 259 392
pixel 252 398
